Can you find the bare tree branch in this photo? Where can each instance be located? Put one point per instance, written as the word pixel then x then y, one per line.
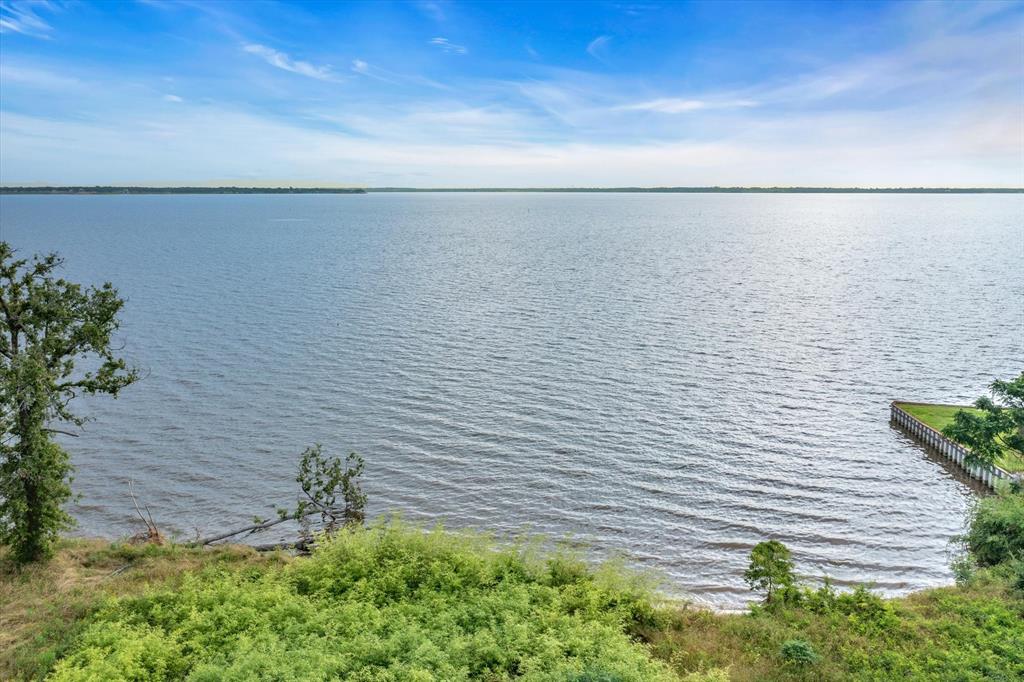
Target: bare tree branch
pixel 66 433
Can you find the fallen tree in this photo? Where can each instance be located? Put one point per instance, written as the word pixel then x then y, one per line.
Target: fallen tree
pixel 329 489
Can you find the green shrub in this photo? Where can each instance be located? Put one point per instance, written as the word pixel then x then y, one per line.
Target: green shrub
pixel 964 568
pixel 996 528
pixel 385 603
pixel 1017 575
pixel 799 652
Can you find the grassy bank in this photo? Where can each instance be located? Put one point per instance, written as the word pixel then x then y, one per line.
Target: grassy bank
pixel 940 416
pixel 394 603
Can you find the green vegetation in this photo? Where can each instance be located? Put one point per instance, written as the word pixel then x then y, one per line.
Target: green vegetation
pixel 799 652
pixel 974 631
pixel 994 430
pixel 996 532
pixel 941 416
pixel 47 325
pixel 392 602
pixel 321 479
pixel 770 570
pixel 384 603
pixel 44 607
pixel 970 632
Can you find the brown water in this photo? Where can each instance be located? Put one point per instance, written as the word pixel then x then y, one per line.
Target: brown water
pixel 675 377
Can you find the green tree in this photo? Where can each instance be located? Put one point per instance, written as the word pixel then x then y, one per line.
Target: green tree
pixel 48 325
pixel 322 479
pixel 771 569
pixel 998 429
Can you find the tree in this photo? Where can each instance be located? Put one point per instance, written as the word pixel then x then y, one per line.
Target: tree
pixel 321 479
pixel 998 429
pixel 48 325
pixel 771 568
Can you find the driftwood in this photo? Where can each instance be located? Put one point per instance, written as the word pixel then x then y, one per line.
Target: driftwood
pixel 261 526
pixel 152 533
pixel 249 530
pixel 310 507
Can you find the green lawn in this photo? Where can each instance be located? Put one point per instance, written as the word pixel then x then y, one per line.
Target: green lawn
pixel 938 416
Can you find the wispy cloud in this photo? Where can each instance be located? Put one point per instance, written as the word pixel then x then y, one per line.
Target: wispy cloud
pixel 598 47
pixel 936 101
pixel 364 68
pixel 674 105
pixel 282 61
pixel 804 151
pixel 448 46
pixel 37 78
pixel 21 17
pixel 433 10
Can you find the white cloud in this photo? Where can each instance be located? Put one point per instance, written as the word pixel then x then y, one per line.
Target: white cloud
pixel 808 150
pixel 941 108
pixel 671 105
pixel 448 46
pixel 173 98
pixel 283 61
pixel 597 47
pixel 21 17
pixel 452 121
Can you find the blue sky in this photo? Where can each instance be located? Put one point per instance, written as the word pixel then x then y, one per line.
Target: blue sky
pixel 441 94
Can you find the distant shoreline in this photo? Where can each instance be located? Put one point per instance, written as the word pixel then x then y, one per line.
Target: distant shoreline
pixel 90 190
pixel 83 189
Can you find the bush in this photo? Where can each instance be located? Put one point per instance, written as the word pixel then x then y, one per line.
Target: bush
pixel 964 568
pixel 389 602
pixel 1017 575
pixel 996 528
pixel 799 652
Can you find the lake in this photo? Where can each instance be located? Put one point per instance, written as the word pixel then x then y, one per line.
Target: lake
pixel 674 377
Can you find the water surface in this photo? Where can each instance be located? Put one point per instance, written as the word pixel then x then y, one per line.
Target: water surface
pixel 674 376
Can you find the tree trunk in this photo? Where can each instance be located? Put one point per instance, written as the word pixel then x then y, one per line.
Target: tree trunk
pixel 31 549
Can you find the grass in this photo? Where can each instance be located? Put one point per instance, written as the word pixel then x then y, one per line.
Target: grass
pixel 44 608
pixel 940 416
pixel 966 633
pixel 396 603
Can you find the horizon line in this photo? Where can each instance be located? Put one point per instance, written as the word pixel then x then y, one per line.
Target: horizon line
pixel 298 189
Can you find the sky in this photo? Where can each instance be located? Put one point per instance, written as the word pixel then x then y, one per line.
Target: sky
pixel 504 94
